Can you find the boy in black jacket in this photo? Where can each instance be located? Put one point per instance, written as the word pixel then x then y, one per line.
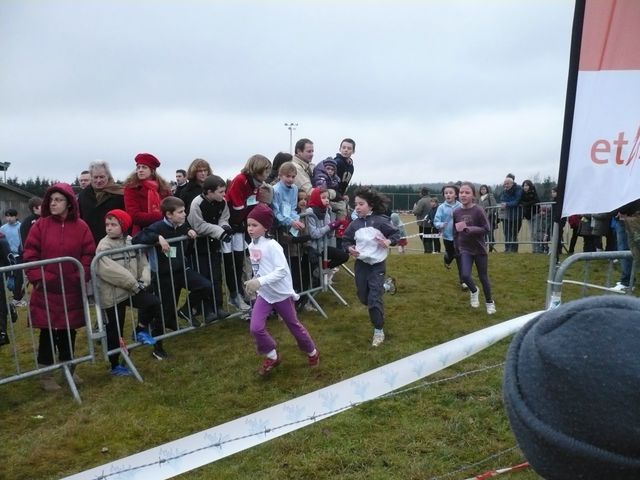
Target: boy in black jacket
pixel 173 273
pixel 209 217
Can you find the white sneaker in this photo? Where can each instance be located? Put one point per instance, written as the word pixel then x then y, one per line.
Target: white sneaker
pixel 19 303
pixel 239 303
pixel 473 299
pixel 378 339
pixel 329 276
pixel 390 286
pixel 491 308
pixel 464 287
pixel 619 288
pixel 308 307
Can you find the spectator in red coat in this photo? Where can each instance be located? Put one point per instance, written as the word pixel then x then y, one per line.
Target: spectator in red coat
pixel 144 189
pixel 56 304
pixel 246 190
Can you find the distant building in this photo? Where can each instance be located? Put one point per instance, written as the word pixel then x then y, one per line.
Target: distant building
pixel 14 197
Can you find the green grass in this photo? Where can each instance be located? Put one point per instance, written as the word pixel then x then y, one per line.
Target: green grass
pixel 210 379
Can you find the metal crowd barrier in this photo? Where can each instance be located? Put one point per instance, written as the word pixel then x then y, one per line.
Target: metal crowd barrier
pixel 193 261
pixel 598 272
pixel 23 346
pixel 511 229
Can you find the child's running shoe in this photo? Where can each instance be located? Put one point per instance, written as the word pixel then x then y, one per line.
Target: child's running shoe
pixel 268 365
pixel 159 353
pixel 390 286
pixel 13 313
pixel 239 303
pixel 491 308
pixel 144 338
pixel 314 360
pixel 121 371
pixel 4 338
pixel 308 307
pixel 474 298
pixel 378 339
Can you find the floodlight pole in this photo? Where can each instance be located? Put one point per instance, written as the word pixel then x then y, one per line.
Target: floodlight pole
pixel 291 126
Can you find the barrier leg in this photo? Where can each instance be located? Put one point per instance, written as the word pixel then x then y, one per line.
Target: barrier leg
pixel 72 384
pixel 131 366
pixel 337 295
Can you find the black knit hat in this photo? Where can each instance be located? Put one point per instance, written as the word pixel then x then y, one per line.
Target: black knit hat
pixel 572 390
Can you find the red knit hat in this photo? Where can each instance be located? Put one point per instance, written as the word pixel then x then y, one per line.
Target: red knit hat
pixel 315 199
pixel 124 219
pixel 263 215
pixel 147 159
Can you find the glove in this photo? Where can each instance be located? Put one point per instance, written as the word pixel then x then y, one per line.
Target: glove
pixel 333 225
pixel 227 235
pixel 252 286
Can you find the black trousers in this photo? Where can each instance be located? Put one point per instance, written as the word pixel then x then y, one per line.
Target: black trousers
pixel 170 285
pixel 210 266
pixel 61 340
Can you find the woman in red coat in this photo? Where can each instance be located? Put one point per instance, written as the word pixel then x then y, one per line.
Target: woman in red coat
pixel 56 306
pixel 144 189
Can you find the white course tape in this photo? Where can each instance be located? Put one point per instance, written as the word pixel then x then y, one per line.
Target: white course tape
pixel 207 446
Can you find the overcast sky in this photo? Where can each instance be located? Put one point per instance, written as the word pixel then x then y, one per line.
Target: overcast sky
pixel 431 91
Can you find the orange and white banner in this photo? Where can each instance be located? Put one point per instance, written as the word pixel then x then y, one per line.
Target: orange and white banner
pixel 602 174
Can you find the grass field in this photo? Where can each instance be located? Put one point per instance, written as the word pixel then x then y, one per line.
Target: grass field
pixel 210 378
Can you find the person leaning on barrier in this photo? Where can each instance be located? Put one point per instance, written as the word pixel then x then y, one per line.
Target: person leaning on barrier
pixel 11 230
pixel 571 390
pixel 56 305
pixel 209 217
pixel 123 278
pixel 631 214
pixel 512 218
pixel 433 244
pixel 285 199
pixel 173 272
pixel 321 228
pixel 421 210
pixel 247 189
pixel 487 201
